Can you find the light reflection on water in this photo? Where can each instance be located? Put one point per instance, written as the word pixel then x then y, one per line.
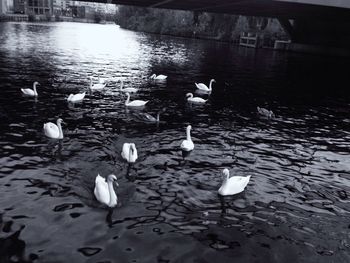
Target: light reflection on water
pixel 295 208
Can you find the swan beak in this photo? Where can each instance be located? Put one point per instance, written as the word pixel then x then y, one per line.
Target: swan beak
pixel 116 183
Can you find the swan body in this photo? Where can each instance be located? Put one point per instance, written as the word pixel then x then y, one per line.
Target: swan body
pixel 265 113
pixel 104 191
pixel 233 185
pixel 190 98
pixel 53 131
pixel 159 77
pixel 31 92
pixel 204 87
pixel 76 97
pixel 129 90
pixel 134 103
pixel 187 145
pixel 129 152
pixel 97 86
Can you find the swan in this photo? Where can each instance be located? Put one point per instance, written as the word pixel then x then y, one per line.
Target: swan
pixel 148 117
pixel 190 98
pixel 129 152
pixel 97 86
pixel 102 80
pixel 54 131
pixel 130 90
pixel 31 92
pixel 204 87
pixel 134 103
pixel 104 191
pixel 76 97
pixel 265 113
pixel 159 77
pixel 233 185
pixel 187 145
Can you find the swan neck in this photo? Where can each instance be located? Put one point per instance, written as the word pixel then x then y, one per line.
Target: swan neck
pixel 158 114
pixel 90 82
pixel 34 88
pixel 128 99
pixel 211 82
pixel 121 85
pixel 60 136
pixel 112 195
pixel 188 134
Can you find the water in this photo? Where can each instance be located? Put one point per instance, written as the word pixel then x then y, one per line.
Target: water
pixel 294 209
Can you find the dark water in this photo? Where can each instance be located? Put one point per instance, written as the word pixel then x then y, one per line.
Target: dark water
pixel 295 209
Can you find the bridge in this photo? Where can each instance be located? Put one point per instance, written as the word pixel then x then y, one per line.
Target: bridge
pixel 313 25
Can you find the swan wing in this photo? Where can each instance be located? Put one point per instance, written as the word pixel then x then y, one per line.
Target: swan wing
pixel 28 92
pixel 234 185
pixel 201 86
pixel 101 190
pixel 51 130
pixel 198 100
pixel 187 145
pixel 125 151
pixel 137 103
pixel 98 86
pixel 161 77
pixel 78 97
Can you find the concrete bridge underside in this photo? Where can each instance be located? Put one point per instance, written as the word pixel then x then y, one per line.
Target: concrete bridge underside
pixel 313 25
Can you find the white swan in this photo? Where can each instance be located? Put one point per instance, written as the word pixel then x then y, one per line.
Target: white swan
pixel 187 145
pixel 104 191
pixel 233 185
pixel 190 98
pixel 159 77
pixel 129 152
pixel 265 113
pixel 54 131
pixel 102 80
pixel 97 86
pixel 76 97
pixel 31 92
pixel 130 90
pixel 204 87
pixel 134 103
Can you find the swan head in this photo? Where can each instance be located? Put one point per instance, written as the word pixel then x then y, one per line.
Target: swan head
pixel 189 127
pixel 36 83
pixel 226 173
pixel 189 95
pixel 112 178
pixel 152 76
pixel 59 120
pixel 213 80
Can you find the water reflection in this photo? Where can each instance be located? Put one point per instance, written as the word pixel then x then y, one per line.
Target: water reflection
pixel 294 208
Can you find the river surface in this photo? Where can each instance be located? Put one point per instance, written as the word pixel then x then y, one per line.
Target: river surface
pixel 295 208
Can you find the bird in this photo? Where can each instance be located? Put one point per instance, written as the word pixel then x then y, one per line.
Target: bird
pixel 204 87
pixel 31 92
pixel 232 185
pixel 97 86
pixel 159 77
pixel 102 80
pixel 104 191
pixel 54 131
pixel 265 113
pixel 129 152
pixel 130 90
pixel 187 145
pixel 76 97
pixel 134 103
pixel 190 98
pixel 149 118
